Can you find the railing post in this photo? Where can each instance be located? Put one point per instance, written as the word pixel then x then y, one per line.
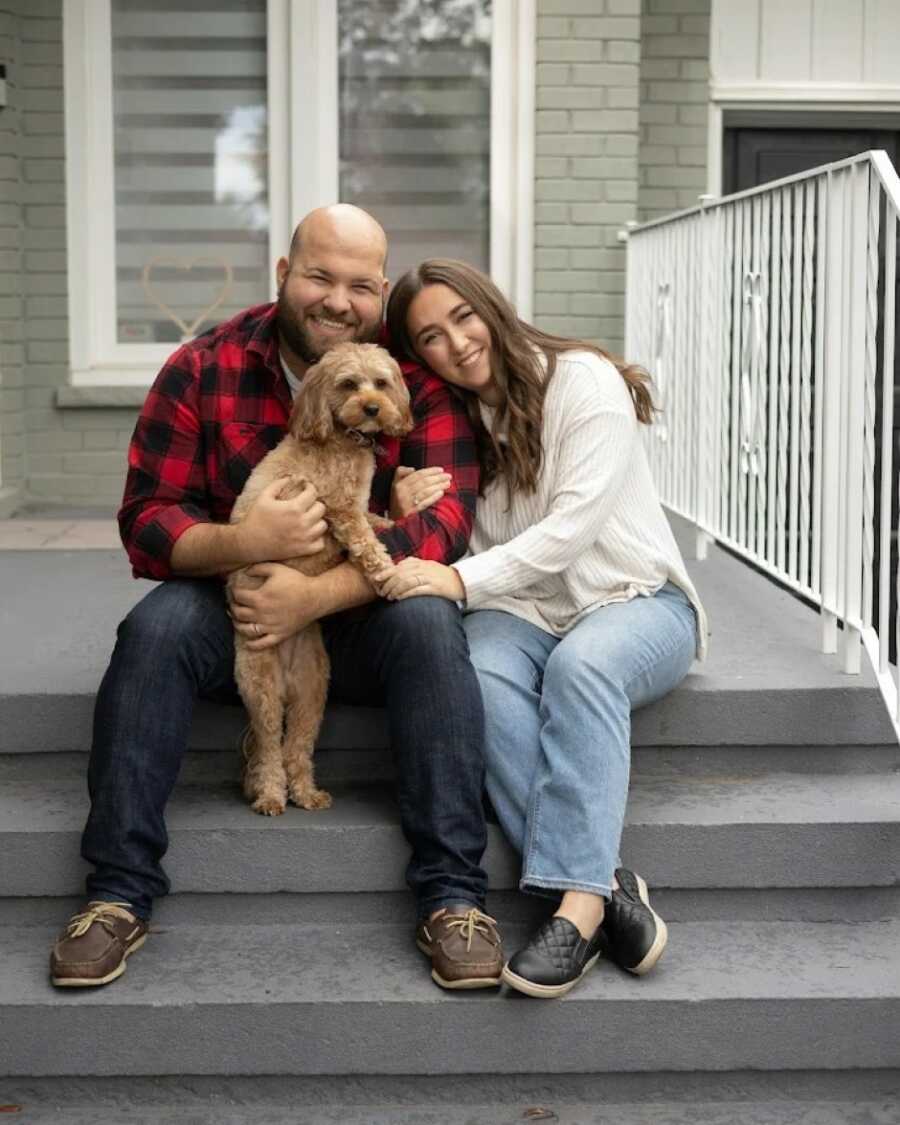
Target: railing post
pixel 830 391
pixel 854 375
pixel 707 401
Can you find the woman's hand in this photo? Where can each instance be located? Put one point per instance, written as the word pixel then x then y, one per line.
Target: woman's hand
pixel 413 578
pixel 285 603
pixel 414 490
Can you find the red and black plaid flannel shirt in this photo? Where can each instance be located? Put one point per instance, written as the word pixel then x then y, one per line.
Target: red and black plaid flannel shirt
pixel 222 402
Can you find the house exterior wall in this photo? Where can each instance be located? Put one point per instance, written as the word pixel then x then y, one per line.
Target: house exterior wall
pixel 73 456
pixel 587 155
pixel 674 100
pixel 12 348
pixel 588 75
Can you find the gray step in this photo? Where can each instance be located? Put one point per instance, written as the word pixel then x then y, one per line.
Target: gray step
pixel 765 679
pixel 868 1098
pixel 680 904
pixel 358 999
pixel 693 830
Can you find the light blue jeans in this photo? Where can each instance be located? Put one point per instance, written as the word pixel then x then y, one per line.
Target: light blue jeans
pixel 558 733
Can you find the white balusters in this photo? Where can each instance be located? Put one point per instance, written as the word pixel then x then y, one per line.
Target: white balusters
pixel 763 318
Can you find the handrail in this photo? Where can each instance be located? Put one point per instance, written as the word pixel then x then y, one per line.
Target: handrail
pixel 768 317
pixel 877 158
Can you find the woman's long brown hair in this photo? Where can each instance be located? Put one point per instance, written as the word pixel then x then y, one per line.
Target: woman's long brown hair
pixel 516 365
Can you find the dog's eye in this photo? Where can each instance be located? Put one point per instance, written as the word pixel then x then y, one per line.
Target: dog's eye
pixel 381 383
pixel 347 385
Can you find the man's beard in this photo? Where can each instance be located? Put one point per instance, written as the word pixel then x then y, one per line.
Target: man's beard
pixel 292 332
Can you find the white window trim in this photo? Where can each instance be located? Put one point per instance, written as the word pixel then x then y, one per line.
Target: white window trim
pixel 303 108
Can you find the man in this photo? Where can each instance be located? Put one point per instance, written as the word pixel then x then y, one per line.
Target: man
pixel 217 407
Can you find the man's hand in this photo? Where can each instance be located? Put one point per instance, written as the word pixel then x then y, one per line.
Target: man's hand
pixel 276 529
pixel 285 603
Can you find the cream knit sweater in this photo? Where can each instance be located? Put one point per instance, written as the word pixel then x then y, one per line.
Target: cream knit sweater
pixel 594 532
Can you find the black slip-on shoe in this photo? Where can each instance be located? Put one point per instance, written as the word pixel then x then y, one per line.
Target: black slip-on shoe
pixel 554 960
pixel 634 934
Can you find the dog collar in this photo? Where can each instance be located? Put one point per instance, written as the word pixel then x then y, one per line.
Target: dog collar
pixel 367 440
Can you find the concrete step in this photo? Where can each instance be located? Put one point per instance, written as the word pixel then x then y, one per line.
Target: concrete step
pixel 679 904
pixel 727 1098
pixel 791 1098
pixel 357 999
pixel 683 830
pixel 765 679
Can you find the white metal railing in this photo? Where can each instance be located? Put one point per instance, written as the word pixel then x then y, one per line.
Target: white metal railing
pixel 767 320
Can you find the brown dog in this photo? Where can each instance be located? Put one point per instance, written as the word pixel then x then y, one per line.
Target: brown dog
pixel 352 393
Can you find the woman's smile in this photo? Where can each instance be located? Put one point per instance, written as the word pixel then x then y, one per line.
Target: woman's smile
pixel 453 340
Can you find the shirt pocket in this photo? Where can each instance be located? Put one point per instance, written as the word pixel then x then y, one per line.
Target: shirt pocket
pixel 237 449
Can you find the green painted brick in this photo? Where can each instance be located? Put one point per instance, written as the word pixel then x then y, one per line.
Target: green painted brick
pixel 572 97
pixel 605 120
pixel 604 74
pixel 586 145
pixel 571 7
pixel 552 74
pixel 570 50
pixel 608 27
pixel 553 27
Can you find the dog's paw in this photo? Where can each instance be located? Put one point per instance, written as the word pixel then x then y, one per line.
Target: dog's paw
pixel 268 804
pixel 312 799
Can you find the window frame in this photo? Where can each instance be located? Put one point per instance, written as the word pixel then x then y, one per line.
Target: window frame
pixel 302 88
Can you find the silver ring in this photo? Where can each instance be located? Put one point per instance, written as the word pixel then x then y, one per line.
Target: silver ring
pixel 415 501
pixel 418 580
pixel 256 629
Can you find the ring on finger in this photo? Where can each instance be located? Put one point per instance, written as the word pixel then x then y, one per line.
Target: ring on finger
pixel 256 629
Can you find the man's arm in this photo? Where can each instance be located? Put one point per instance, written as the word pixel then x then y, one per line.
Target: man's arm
pixel 164 520
pixel 165 490
pixel 272 529
pixel 441 436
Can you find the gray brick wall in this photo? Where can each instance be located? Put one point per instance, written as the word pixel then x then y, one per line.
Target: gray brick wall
pixel 74 456
pixel 12 348
pixel 588 73
pixel 674 99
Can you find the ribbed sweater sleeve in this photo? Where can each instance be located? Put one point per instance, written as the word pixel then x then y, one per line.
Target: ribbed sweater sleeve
pixel 589 433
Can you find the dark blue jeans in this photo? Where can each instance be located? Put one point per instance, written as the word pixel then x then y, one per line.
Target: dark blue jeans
pixel 177 644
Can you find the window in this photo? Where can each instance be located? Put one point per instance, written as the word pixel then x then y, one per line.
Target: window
pixel 199 131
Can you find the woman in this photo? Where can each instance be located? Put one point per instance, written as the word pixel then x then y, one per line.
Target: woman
pixel 579 607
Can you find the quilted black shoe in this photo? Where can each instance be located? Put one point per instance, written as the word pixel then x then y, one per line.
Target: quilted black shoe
pixel 634 934
pixel 553 961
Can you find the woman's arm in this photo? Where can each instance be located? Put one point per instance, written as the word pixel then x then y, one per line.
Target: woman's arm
pixel 589 416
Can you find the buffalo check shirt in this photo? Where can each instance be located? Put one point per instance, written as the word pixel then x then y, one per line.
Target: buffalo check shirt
pixel 221 403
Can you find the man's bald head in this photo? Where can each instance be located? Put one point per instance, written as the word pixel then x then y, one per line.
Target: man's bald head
pixel 332 288
pixel 340 225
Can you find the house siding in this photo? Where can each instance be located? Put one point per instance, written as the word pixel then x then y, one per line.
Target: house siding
pixel 12 346
pixel 74 456
pixel 674 105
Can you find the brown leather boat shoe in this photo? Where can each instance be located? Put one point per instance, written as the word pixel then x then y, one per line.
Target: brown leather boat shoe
pixel 93 947
pixel 464 947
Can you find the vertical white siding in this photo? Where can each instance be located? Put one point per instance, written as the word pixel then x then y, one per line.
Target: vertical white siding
pixel 837 41
pixel 785 40
pixel 735 47
pixel 882 37
pixel 812 43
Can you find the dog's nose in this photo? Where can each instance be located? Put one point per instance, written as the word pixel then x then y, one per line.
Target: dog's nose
pixel 371 409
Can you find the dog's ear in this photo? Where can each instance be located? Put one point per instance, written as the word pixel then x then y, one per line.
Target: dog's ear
pixel 401 394
pixel 311 418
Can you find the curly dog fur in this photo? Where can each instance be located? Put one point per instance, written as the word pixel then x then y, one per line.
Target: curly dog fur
pixel 353 392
